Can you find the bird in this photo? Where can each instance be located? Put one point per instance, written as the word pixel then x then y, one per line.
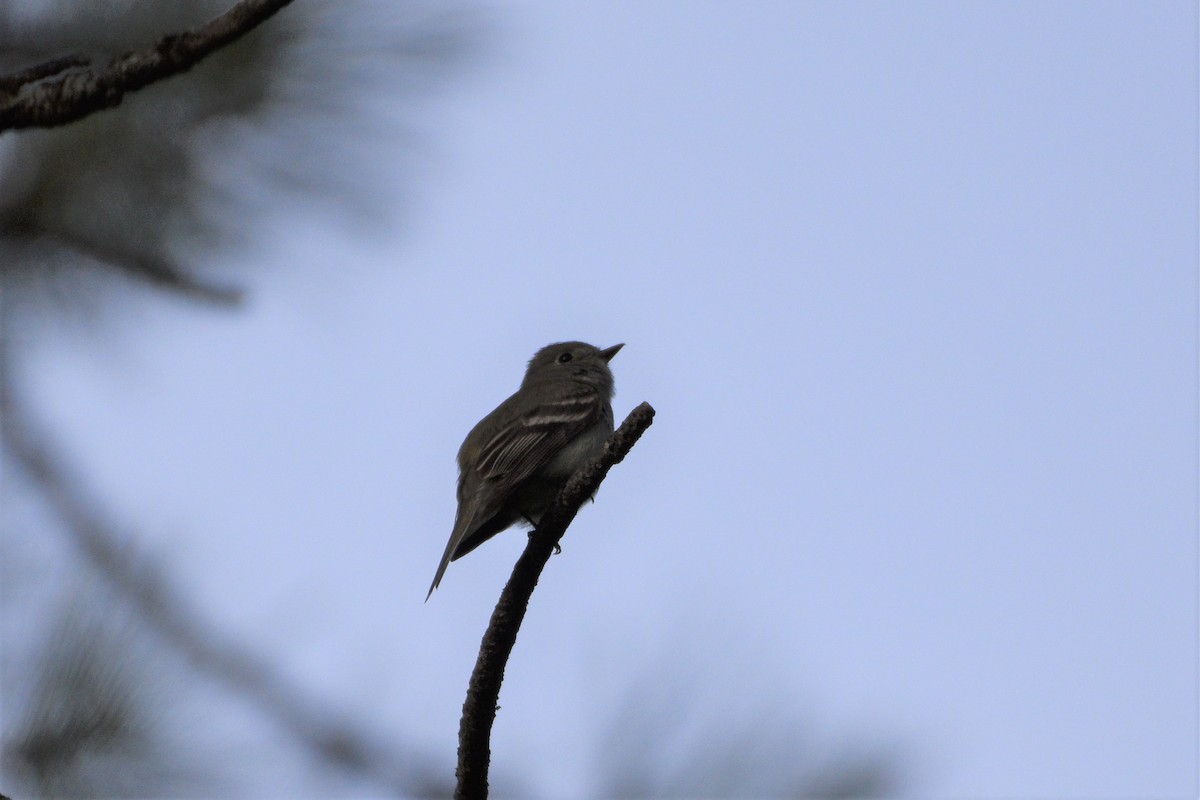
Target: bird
pixel 516 459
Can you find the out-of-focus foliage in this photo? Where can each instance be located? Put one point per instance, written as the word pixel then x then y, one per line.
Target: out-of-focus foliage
pixel 290 113
pixel 657 745
pixel 90 724
pixel 294 117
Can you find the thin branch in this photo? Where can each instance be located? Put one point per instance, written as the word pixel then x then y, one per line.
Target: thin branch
pixel 483 693
pixel 73 95
pixel 326 734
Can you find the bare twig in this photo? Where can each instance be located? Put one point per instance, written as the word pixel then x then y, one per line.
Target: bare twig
pixel 479 710
pixel 52 101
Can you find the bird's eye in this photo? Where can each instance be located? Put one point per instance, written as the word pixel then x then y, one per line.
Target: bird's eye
pixel 564 358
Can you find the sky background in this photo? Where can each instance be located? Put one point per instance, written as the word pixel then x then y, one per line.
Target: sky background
pixel 913 289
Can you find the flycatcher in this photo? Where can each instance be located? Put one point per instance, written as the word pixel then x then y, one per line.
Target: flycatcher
pixel 515 461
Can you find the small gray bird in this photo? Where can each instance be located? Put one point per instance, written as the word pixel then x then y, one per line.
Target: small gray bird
pixel 515 461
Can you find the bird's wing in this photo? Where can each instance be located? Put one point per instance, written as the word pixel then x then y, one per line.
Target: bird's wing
pixel 522 445
pixel 527 442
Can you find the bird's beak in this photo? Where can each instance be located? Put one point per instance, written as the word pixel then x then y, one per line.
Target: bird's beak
pixel 609 352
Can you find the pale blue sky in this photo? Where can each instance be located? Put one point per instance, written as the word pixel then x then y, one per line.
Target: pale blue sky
pixel 913 289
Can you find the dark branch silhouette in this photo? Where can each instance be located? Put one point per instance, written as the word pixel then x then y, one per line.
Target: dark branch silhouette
pixel 67 89
pixel 479 710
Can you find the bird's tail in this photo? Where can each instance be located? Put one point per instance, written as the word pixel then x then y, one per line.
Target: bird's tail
pixel 461 524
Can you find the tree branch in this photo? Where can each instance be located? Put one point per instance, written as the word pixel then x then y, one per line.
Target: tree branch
pixel 479 710
pixel 11 83
pixel 43 96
